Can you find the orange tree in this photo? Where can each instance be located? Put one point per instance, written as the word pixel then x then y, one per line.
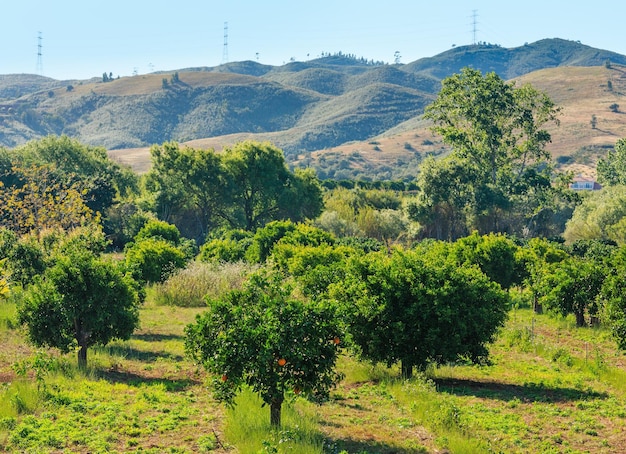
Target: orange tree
pixel 263 338
pixel 415 310
pixel 80 301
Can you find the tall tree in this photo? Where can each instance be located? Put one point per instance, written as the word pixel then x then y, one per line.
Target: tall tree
pixel 188 185
pixel 263 189
pixel 495 130
pixel 612 168
pixel 245 186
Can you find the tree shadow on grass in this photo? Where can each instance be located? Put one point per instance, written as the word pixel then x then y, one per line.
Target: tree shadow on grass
pixel 144 356
pixel 156 337
pixel 350 445
pixel 530 392
pixel 133 379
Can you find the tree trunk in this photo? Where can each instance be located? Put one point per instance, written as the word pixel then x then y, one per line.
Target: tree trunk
pixel 407 370
pixel 580 319
pixel 82 357
pixel 537 307
pixel 275 410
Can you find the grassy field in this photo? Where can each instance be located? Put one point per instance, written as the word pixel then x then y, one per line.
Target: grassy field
pixel 550 388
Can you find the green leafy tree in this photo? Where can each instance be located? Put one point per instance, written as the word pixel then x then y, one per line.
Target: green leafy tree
pixel 409 309
pixel 495 255
pixel 495 130
pixel 263 338
pixel 262 188
pixel 612 168
pixel 600 216
pixel 572 286
pixel 613 296
pixel 80 301
pixel 157 251
pixel 231 246
pixel 102 178
pixel 444 197
pixel 189 187
pixel 245 186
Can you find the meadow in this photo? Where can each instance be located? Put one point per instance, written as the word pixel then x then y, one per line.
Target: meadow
pixel 550 388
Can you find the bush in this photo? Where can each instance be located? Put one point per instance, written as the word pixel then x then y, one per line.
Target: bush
pixel 153 260
pixel 189 287
pixel 159 229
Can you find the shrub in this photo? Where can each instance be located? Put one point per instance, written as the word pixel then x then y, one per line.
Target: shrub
pixel 153 260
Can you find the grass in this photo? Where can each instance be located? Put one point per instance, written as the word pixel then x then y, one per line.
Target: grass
pixel 550 387
pixel 190 286
pixel 247 427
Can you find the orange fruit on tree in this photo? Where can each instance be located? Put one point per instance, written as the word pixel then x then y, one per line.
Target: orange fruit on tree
pixel 282 362
pixel 224 377
pixel 336 340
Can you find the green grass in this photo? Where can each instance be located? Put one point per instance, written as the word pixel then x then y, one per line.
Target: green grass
pixel 7 314
pixel 247 426
pixel 550 387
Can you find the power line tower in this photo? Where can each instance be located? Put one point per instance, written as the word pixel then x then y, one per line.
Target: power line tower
pixel 39 54
pixel 474 24
pixel 225 51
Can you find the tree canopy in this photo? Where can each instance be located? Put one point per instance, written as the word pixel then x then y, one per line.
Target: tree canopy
pixel 612 168
pixel 80 301
pixel 263 338
pixel 498 178
pixel 245 186
pixel 414 310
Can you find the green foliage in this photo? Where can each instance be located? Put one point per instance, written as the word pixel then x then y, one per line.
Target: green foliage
pixel 600 216
pixel 613 294
pixel 158 250
pixel 231 246
pixel 153 259
pixel 123 221
pixel 572 286
pixel 82 300
pixel 263 189
pixel 407 308
pixel 494 254
pixel 265 238
pixel 245 186
pixel 262 338
pixel 497 178
pixel 103 178
pixel 612 168
pixel 313 267
pixel 188 184
pixel 159 229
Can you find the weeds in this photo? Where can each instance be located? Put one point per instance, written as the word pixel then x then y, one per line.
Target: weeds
pixel 189 287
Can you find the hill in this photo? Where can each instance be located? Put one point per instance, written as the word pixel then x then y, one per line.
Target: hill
pixel 314 110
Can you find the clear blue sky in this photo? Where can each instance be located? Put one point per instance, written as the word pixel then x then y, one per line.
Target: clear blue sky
pixel 84 39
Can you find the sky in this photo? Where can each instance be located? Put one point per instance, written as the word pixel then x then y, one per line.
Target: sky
pixel 80 40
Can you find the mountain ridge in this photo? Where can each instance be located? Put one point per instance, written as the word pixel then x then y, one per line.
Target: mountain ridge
pixel 305 107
